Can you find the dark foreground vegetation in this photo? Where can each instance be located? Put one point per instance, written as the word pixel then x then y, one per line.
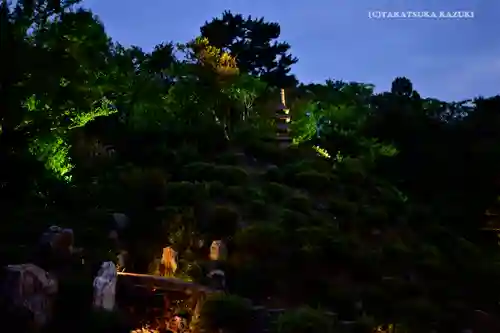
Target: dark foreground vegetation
pixel 376 212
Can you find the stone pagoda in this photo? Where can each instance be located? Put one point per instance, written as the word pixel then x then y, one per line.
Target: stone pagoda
pixel 283 123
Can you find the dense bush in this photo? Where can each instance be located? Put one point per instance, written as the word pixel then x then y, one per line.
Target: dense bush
pixel 230 175
pixel 255 193
pixel 183 193
pixel 364 324
pixel 229 158
pixel 236 194
pixel 226 313
pixel 199 171
pixel 273 174
pixel 223 222
pixel 343 208
pixel 304 320
pixel 291 218
pixel 216 189
pixel 375 215
pixel 277 192
pixel 258 209
pixel 300 203
pixel 106 322
pixel 313 181
pixel 261 241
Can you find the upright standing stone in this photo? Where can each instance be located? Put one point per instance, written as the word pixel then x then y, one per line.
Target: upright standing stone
pixel 33 288
pixel 169 262
pixel 105 286
pixel 122 259
pixel 218 251
pixel 59 239
pixel 119 225
pixel 121 220
pixel 56 249
pixel 64 242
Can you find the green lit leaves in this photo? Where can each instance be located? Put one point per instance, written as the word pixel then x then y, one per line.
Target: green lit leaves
pixel 53 151
pixel 103 108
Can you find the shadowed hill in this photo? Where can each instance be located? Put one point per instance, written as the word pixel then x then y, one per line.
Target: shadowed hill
pixel 375 212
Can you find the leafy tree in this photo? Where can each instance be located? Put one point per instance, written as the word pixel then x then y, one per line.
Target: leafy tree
pixel 253 42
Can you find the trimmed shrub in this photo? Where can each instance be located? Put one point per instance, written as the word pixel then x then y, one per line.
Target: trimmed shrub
pixel 202 190
pixel 226 313
pixel 300 203
pixel 355 193
pixel 260 240
pixel 313 181
pixel 255 193
pixel 229 158
pixel 144 182
pixel 364 324
pixel 276 192
pixel 183 193
pixel 344 299
pixel 257 209
pixel 343 207
pixel 291 219
pixel 223 222
pixel 216 189
pixel 304 320
pixel 230 175
pixel 353 177
pixel 187 153
pixel 273 174
pixel 236 194
pixel 198 171
pixel 267 151
pixel 297 167
pixel 421 311
pixel 101 321
pixel 396 250
pixel 375 215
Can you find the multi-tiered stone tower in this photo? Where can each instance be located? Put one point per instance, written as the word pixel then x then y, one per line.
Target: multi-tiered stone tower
pixel 283 123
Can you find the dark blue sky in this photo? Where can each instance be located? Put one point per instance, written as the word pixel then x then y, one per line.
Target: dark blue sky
pixel 449 59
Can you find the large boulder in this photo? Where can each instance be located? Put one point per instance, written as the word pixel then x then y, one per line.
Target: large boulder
pixel 56 252
pixel 58 239
pixel 30 287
